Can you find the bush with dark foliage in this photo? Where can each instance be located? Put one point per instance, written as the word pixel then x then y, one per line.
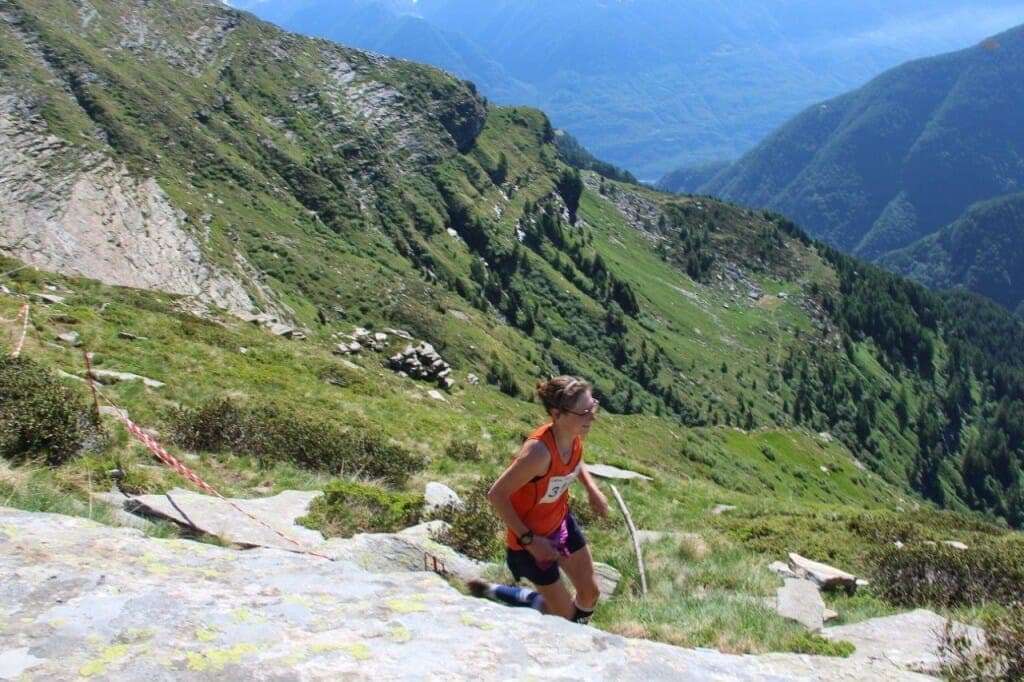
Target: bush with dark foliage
pixel 39 417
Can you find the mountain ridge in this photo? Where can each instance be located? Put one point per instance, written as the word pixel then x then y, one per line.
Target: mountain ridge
pixel 652 85
pixel 898 160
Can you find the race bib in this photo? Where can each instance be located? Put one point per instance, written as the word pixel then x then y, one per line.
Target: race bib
pixel 558 484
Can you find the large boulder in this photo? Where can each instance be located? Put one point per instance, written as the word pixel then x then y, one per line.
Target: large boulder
pixel 83 600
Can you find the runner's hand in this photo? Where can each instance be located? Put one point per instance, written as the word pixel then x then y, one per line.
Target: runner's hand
pixel 542 550
pixel 598 502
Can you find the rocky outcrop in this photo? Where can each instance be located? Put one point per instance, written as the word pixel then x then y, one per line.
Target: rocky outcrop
pixel 80 213
pixel 423 362
pixel 79 599
pixel 463 119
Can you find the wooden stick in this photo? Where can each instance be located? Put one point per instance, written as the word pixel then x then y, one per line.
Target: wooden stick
pixel 636 541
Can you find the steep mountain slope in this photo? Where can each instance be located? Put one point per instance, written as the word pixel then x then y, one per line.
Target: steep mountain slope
pixel 980 251
pixel 336 188
pixel 899 159
pixel 655 84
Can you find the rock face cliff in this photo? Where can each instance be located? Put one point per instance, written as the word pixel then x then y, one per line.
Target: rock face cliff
pixel 82 213
pixel 80 599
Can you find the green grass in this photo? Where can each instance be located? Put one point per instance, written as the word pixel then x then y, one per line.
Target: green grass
pixel 785 501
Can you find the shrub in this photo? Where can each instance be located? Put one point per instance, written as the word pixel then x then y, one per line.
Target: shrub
pixel 474 530
pixel 464 451
pixel 39 416
pixel 347 508
pixel 270 433
pixel 943 576
pixel 1001 659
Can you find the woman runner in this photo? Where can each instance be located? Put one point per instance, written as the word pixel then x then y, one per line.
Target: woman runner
pixel 531 496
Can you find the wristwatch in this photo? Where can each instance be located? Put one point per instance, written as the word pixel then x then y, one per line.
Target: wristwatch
pixel 526 538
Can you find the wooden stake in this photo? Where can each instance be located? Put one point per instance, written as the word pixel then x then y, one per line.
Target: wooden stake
pixel 636 541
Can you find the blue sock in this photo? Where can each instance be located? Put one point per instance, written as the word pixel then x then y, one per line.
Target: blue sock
pixel 517 596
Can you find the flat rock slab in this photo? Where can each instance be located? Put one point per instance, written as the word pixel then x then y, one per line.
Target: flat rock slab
pixel 112 376
pixel 801 601
pixel 216 516
pixel 827 577
pixel 608 471
pixel 910 640
pixel 79 599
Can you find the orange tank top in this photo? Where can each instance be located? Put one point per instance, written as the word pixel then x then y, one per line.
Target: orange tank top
pixel 543 502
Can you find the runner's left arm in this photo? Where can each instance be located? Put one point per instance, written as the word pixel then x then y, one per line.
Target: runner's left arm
pixel 598 502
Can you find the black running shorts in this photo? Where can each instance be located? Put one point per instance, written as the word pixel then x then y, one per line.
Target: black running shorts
pixel 523 565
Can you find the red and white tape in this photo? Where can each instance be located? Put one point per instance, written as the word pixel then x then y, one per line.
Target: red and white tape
pixel 23 316
pixel 172 462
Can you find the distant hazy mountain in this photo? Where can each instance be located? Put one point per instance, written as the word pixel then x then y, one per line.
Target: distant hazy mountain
pixel 982 251
pixel 900 159
pixel 652 85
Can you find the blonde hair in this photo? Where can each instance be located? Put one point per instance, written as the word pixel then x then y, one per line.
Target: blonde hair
pixel 559 392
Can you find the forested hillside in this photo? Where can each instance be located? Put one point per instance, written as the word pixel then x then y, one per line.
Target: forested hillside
pixel 979 251
pixel 342 188
pixel 902 159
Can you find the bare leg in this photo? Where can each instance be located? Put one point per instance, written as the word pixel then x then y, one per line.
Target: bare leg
pixel 579 567
pixel 557 601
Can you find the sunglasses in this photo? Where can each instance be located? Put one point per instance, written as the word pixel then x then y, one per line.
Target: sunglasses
pixel 592 410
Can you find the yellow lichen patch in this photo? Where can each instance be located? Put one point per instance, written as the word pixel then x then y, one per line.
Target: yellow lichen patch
pixel 211 573
pixel 11 532
pixel 470 620
pixel 28 619
pixel 404 606
pixel 359 651
pixel 298 599
pixel 207 634
pixel 400 634
pixel 154 564
pixel 138 635
pixel 244 616
pixel 216 659
pixel 98 666
pixel 321 647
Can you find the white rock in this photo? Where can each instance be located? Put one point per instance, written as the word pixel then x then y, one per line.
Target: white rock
pixel 439 496
pixel 609 471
